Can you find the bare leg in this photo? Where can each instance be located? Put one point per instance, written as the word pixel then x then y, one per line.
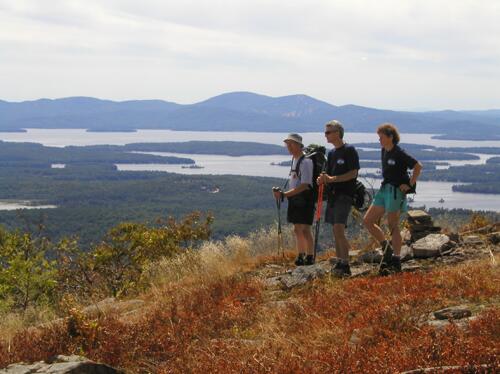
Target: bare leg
pixel 341 243
pixel 309 239
pixel 372 216
pixel 396 241
pixel 299 242
pixel 305 242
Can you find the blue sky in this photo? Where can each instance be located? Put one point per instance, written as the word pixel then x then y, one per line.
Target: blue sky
pixel 406 54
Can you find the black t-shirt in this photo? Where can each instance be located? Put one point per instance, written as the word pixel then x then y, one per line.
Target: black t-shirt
pixel 395 165
pixel 340 161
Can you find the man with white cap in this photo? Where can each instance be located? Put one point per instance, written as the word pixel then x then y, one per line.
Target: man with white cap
pixel 300 199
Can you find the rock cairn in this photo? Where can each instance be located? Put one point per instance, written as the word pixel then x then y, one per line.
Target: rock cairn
pixel 420 225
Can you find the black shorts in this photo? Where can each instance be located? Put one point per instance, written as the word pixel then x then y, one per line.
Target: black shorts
pixel 300 210
pixel 338 209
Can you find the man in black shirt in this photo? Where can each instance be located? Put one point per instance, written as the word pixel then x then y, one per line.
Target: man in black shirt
pixel 340 179
pixel 391 197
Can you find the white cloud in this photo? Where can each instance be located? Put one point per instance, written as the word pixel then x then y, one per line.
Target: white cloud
pixel 384 53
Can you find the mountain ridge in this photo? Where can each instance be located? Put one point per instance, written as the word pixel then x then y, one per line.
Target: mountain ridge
pixel 234 111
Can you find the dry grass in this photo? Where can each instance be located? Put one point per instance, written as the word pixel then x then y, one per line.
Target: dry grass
pixel 226 321
pixel 209 312
pixel 12 323
pixel 219 259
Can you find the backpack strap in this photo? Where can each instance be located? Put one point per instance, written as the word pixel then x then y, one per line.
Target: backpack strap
pixel 297 166
pixel 288 179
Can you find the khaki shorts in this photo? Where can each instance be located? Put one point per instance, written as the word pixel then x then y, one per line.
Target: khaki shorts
pixel 338 209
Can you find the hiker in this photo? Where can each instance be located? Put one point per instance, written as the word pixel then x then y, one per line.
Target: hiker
pixel 300 199
pixel 391 197
pixel 340 180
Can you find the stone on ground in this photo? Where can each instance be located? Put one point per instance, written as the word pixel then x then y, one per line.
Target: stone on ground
pixel 456 312
pixel 473 240
pixel 61 365
pixel 431 245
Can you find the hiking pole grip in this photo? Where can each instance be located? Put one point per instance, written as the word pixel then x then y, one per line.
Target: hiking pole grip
pixel 278 210
pixel 320 202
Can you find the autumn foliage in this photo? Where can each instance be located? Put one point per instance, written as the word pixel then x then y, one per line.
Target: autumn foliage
pixel 207 308
pixel 232 324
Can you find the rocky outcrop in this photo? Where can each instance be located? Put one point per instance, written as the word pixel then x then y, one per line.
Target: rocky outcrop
pixel 460 315
pixel 457 312
pixel 429 251
pixel 300 275
pixel 472 240
pixel 432 245
pixel 304 274
pixel 453 369
pixel 61 365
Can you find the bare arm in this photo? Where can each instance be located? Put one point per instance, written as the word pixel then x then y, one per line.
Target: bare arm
pixel 351 174
pixel 278 194
pixel 295 191
pixel 414 176
pixel 416 172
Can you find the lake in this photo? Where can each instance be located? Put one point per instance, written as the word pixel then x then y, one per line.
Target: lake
pixel 64 137
pixel 429 193
pixel 14 205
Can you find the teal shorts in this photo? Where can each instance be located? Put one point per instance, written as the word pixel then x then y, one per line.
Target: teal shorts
pixel 391 199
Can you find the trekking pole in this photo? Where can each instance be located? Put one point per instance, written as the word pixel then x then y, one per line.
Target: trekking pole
pixel 278 207
pixel 319 207
pixel 387 250
pixel 280 236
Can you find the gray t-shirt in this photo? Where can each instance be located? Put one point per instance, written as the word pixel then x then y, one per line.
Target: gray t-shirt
pixel 304 175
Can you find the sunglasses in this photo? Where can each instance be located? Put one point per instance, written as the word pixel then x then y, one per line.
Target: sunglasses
pixel 330 131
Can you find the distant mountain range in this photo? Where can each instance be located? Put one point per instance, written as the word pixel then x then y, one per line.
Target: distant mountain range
pixel 238 111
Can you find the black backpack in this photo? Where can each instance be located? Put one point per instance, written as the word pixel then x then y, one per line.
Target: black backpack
pixel 362 197
pixel 316 153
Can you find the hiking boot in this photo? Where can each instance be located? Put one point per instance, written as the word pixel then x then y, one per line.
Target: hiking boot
pixel 341 270
pixel 386 263
pixel 299 261
pixel 309 260
pixel 395 264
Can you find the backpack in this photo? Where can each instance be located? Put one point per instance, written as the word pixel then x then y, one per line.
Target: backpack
pixel 362 198
pixel 316 153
